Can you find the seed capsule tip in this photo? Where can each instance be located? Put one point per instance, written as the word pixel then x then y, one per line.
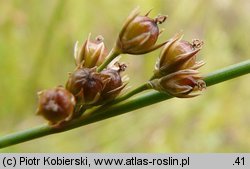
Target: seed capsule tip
pixel 99 38
pixel 160 19
pixel 197 43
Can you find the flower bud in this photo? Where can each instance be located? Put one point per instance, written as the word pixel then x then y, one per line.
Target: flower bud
pixel 177 55
pixel 139 34
pixel 56 105
pixel 180 84
pixel 86 85
pixel 91 54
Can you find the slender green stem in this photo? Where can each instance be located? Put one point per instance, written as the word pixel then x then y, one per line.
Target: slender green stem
pixel 121 108
pixel 154 76
pixel 132 93
pixel 227 73
pixel 113 54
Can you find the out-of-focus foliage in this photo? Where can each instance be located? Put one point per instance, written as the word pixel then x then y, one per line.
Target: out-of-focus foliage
pixel 36 52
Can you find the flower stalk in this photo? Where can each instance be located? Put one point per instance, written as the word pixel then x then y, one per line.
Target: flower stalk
pixel 111 56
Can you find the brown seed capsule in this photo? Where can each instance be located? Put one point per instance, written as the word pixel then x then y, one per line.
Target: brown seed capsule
pixel 139 34
pixel 177 55
pixel 180 84
pixel 86 85
pixel 56 105
pixel 91 54
pixel 114 83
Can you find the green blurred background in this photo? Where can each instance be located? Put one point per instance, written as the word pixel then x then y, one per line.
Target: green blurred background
pixel 36 52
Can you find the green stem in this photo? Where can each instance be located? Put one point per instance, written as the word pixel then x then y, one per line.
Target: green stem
pixel 131 93
pixel 121 108
pixel 113 54
pixel 154 76
pixel 227 73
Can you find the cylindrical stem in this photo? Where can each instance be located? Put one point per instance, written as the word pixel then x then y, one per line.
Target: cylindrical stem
pixel 132 93
pixel 122 107
pixel 227 73
pixel 113 54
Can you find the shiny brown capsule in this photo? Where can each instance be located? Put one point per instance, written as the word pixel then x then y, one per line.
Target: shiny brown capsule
pixel 139 34
pixel 183 83
pixel 114 84
pixel 56 105
pixel 178 54
pixel 86 85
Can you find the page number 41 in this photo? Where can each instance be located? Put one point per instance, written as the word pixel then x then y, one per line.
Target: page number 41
pixel 239 161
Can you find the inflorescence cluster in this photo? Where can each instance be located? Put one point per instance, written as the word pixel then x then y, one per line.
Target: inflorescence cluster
pixel 97 78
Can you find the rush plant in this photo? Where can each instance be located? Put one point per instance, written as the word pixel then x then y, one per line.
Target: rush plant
pixel 94 89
